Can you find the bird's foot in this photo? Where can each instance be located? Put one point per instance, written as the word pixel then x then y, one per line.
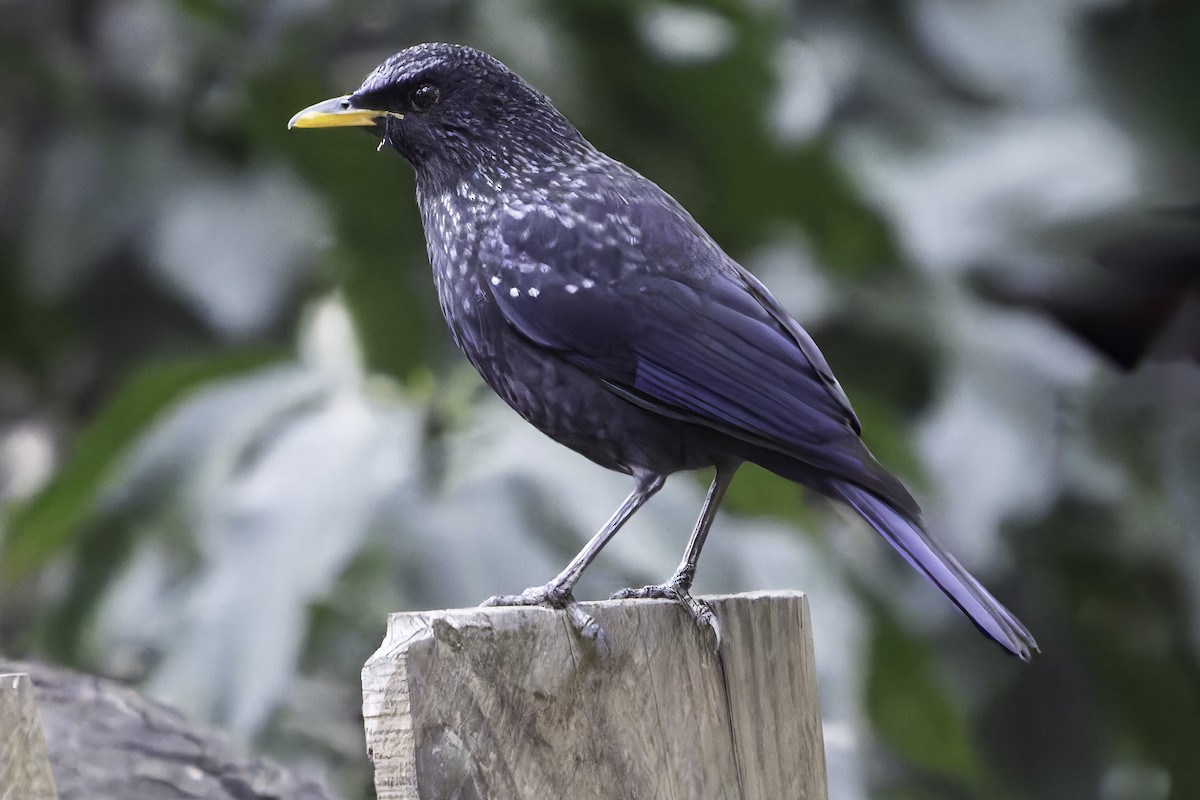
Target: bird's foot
pixel 680 591
pixel 553 595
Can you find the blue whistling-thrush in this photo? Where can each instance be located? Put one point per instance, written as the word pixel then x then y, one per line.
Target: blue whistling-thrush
pixel 594 304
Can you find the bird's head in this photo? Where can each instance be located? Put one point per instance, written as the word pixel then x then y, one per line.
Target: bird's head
pixel 450 108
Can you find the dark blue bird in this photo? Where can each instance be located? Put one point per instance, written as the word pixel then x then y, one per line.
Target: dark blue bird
pixel 603 313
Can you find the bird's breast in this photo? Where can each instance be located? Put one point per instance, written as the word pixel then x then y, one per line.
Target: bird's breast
pixel 518 249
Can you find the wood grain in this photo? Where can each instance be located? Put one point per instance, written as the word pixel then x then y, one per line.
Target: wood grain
pixel 108 742
pixel 24 766
pixel 498 703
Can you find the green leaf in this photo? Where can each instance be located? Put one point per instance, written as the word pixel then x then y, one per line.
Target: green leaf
pixel 914 713
pixel 757 492
pixel 51 520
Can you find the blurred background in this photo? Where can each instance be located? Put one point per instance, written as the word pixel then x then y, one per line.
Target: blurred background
pixel 234 434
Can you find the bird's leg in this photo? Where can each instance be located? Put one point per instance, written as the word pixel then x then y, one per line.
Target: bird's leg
pixel 558 592
pixel 680 584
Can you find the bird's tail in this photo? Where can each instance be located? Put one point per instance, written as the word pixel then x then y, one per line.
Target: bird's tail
pixel 943 569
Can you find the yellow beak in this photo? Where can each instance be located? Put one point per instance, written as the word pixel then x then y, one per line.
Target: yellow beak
pixel 338 113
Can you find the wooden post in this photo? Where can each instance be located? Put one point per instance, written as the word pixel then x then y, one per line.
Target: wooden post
pixel 24 766
pixel 507 703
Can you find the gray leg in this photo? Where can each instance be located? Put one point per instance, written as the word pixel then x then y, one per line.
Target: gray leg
pixel 680 584
pixel 557 593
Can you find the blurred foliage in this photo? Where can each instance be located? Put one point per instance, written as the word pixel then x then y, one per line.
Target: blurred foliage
pixel 909 709
pixel 233 433
pixel 45 525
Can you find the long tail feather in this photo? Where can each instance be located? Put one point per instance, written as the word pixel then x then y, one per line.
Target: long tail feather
pixel 943 569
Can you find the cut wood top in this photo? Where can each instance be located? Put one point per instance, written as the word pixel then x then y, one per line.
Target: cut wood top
pixel 511 703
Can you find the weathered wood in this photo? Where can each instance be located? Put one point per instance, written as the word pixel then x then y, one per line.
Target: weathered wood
pixel 107 742
pixel 500 703
pixel 24 766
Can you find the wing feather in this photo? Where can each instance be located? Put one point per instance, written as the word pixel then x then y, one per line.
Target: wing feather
pixel 708 344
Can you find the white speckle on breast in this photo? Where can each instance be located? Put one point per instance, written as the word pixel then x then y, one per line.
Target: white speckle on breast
pixel 533 292
pixel 571 288
pixel 587 283
pixel 495 280
pixel 514 292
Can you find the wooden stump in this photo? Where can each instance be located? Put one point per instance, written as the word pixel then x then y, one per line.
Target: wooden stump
pixel 24 766
pixel 499 703
pixel 106 741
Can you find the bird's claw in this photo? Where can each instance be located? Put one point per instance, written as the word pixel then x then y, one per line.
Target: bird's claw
pixel 700 612
pixel 548 595
pixel 552 596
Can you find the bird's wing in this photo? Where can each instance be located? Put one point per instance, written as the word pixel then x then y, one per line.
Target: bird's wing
pixel 803 341
pixel 705 344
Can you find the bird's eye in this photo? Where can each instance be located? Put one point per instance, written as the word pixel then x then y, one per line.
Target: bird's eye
pixel 425 96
